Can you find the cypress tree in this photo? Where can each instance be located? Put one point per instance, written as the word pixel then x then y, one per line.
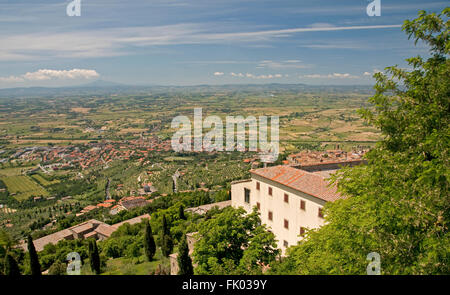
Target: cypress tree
pixel 11 267
pixel 97 258
pixel 184 260
pixel 94 258
pixel 91 254
pixel 167 245
pixel 34 259
pixel 166 239
pixel 181 213
pixel 149 242
pixel 165 227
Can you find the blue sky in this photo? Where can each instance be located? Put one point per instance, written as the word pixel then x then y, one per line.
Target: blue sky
pixel 190 42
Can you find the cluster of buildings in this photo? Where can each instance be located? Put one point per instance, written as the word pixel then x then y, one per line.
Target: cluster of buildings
pixel 126 203
pixel 91 154
pixel 312 158
pixel 88 229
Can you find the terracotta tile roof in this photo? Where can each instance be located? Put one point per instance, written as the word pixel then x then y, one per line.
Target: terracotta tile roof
pixel 303 181
pixel 82 228
pixel 105 230
pixel 131 221
pixel 89 208
pixel 205 208
pixel 91 234
pixel 51 239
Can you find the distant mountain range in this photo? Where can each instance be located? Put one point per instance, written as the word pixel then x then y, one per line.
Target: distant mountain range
pixel 101 87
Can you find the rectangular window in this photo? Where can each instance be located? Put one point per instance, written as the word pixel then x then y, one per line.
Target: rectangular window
pixel 270 216
pixel 286 224
pixel 247 195
pixel 270 191
pixel 285 244
pixel 258 185
pixel 302 205
pixel 320 213
pixel 286 198
pixel 258 205
pixel 302 230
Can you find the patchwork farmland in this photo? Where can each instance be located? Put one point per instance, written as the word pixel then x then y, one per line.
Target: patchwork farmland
pixel 22 187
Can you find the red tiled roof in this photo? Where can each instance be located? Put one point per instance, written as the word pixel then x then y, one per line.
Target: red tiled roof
pixel 303 181
pixel 104 205
pixel 132 221
pixel 105 230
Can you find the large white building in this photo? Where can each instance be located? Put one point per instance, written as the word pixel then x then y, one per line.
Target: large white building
pixel 289 200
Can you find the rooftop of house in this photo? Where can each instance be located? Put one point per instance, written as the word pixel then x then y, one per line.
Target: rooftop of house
pixel 131 221
pixel 105 230
pixel 82 228
pixel 205 208
pixel 300 180
pixel 89 228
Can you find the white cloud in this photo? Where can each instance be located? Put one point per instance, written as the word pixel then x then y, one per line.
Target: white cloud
pixel 11 79
pixel 253 76
pixel 116 41
pixel 218 74
pixel 237 75
pixel 370 74
pixel 45 74
pixel 293 64
pixel 331 76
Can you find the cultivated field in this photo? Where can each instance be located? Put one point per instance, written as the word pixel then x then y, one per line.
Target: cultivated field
pixel 22 187
pixel 42 181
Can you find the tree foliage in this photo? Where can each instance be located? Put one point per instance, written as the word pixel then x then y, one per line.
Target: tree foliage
pixel 166 238
pixel 35 266
pixel 57 269
pixel 233 242
pixel 149 242
pixel 184 260
pixel 94 257
pixel 398 204
pixel 181 213
pixel 11 266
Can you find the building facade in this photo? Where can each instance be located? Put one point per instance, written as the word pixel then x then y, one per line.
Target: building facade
pixel 289 200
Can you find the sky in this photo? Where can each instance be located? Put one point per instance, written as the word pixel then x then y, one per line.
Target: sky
pixel 193 42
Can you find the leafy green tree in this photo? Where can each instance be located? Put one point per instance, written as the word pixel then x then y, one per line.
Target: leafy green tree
pixel 35 266
pixel 94 258
pixel 6 240
pixel 57 269
pixel 398 204
pixel 149 242
pixel 184 260
pixel 11 267
pixel 234 242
